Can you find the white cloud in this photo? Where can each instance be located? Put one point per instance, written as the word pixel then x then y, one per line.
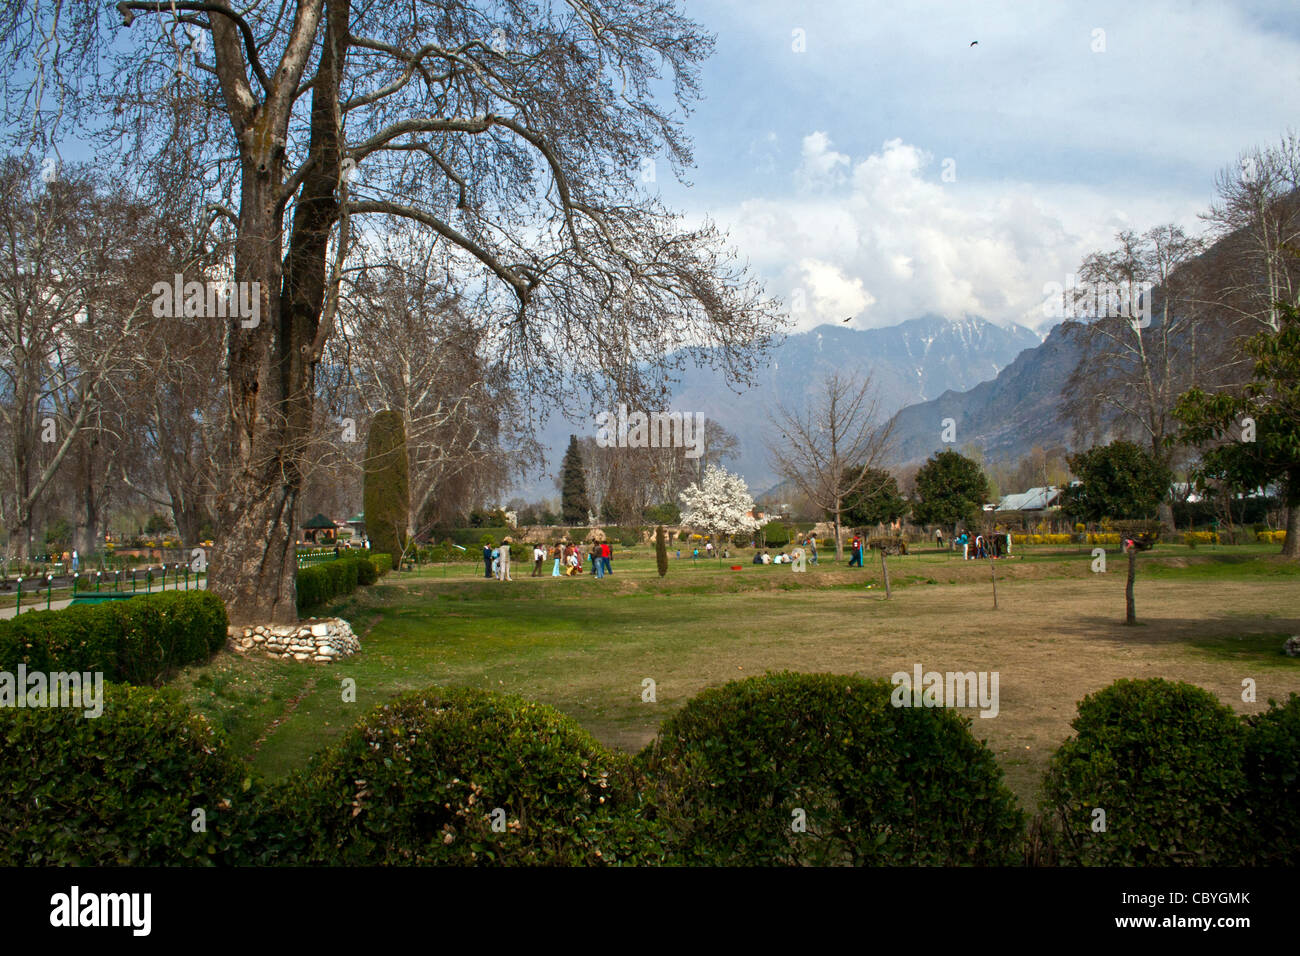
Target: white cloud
pixel 829 291
pixel 885 239
pixel 820 167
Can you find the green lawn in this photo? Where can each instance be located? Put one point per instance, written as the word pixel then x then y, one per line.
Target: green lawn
pixel 585 646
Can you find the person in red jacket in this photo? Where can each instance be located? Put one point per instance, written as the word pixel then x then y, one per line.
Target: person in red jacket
pixel 606 552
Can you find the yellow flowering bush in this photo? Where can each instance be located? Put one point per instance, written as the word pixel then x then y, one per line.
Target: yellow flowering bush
pixel 1040 539
pixel 1103 538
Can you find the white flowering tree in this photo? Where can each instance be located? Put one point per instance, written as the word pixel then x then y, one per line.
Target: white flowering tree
pixel 720 504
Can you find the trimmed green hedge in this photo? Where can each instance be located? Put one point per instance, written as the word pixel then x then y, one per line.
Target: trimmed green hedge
pixel 741 767
pixel 333 579
pixel 470 538
pixel 1272 765
pixel 119 789
pixel 419 780
pixel 135 641
pixel 1164 760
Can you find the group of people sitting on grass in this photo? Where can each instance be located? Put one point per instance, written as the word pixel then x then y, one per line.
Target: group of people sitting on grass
pixel 762 557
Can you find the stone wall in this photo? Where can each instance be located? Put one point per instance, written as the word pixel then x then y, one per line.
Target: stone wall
pixel 321 640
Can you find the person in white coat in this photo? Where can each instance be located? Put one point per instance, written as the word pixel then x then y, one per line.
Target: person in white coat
pixel 503 565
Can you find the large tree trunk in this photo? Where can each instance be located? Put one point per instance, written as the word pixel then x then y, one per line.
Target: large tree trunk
pixel 21 527
pixel 839 536
pixel 254 564
pixel 85 534
pixel 1166 515
pixel 1130 611
pixel 18 537
pixel 1291 546
pixel 271 365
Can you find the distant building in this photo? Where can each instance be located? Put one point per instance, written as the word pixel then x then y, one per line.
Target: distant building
pixel 319 529
pixel 1035 499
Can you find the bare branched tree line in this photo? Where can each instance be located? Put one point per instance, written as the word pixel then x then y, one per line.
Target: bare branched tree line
pixel 1207 299
pixel 107 406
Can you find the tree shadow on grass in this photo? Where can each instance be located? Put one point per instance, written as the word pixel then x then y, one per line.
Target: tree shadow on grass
pixel 1225 637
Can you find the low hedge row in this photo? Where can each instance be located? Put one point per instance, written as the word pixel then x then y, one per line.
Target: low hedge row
pixel 332 579
pixel 135 641
pixel 776 770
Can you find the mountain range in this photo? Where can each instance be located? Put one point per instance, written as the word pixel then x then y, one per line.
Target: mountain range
pixel 912 363
pixel 1006 416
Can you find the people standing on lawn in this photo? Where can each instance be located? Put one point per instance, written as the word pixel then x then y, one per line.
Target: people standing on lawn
pixel 503 560
pixel 487 560
pixel 606 557
pixel 557 552
pixel 938 538
pixel 812 549
pixel 855 559
pixel 539 555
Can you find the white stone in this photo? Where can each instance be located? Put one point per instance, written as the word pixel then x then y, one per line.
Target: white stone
pixel 320 630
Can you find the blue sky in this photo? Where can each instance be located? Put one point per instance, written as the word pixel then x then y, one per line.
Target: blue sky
pixel 827 165
pixel 1067 122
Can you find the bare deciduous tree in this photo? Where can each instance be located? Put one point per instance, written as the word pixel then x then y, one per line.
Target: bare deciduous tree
pixel 834 447
pixel 515 131
pixel 72 306
pixel 1258 207
pixel 1135 359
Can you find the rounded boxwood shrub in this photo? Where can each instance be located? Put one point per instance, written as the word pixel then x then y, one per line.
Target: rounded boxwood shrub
pixel 741 766
pixel 1272 765
pixel 1164 761
pixel 117 789
pixel 427 778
